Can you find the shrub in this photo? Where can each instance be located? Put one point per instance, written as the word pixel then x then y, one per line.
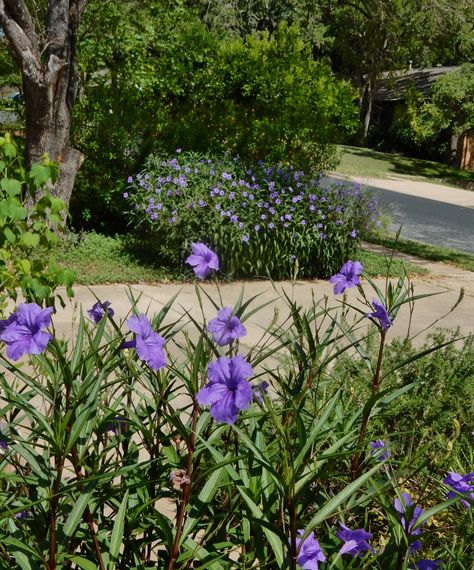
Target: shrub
pixel 23 231
pixel 440 406
pixel 274 221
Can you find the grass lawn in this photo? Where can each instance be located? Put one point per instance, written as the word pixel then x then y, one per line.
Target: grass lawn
pixel 370 163
pixel 431 252
pixel 98 259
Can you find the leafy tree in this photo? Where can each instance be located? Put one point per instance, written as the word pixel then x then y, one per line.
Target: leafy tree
pixel 43 38
pixel 451 106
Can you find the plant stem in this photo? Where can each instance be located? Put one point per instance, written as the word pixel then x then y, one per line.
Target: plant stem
pixel 87 513
pixel 52 550
pixel 293 550
pixel 186 489
pixel 365 418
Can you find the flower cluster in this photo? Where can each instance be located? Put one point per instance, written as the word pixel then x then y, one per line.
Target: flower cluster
pixel 190 196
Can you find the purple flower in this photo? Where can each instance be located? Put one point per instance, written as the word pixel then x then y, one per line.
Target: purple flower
pixel 98 311
pixel 148 343
pixel 377 446
pixel 117 425
pixel 309 552
pixel 353 234
pixel 23 515
pixel 347 277
pixel 355 541
pixel 461 486
pixel 3 442
pixel 203 260
pixel 260 389
pixel 226 327
pixel 406 505
pixel 22 330
pixel 228 390
pixel 381 314
pixel 428 564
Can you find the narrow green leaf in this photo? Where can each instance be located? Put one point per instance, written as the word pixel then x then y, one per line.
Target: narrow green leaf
pixel 75 516
pixel 117 533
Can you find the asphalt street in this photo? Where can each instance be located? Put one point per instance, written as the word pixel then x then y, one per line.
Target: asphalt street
pixel 428 221
pixel 426 212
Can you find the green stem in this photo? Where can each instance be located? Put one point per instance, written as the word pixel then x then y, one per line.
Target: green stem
pixel 365 418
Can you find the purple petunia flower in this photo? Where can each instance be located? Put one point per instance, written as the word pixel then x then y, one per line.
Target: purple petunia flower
pixel 260 389
pixel 309 552
pixel 347 277
pixel 22 331
pixel 98 311
pixel 381 314
pixel 228 391
pixel 428 564
pixel 377 446
pixel 203 260
pixel 3 442
pixel 226 327
pixel 355 541
pixel 147 343
pixel 461 486
pixel 117 425
pixel 402 506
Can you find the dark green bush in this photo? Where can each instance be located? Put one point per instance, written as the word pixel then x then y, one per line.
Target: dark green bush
pixel 440 408
pixel 274 221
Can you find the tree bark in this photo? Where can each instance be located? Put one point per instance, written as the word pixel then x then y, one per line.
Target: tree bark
pixel 50 82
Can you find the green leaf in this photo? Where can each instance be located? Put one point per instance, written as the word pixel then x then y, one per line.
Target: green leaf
pixel 75 516
pixel 117 533
pixel 273 538
pixel 11 186
pixel 40 174
pixel 30 239
pixel 83 563
pixel 329 508
pixel 11 237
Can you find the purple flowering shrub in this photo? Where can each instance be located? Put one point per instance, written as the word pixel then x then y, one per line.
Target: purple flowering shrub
pixel 172 442
pixel 261 220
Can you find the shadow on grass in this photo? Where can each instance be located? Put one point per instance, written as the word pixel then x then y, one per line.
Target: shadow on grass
pixel 417 167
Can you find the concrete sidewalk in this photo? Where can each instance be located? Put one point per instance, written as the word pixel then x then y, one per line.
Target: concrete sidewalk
pixel 152 298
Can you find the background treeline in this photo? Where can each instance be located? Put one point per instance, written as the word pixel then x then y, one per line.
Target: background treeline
pixel 280 80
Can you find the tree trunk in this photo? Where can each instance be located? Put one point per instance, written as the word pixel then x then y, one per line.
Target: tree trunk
pixel 367 108
pixel 48 113
pixel 50 81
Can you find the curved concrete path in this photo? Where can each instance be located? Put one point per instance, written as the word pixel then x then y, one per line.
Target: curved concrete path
pixel 444 291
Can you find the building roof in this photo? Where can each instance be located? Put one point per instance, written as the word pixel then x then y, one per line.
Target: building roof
pixel 393 85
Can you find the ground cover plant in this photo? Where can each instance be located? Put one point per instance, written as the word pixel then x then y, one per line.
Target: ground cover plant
pixel 170 442
pixel 265 220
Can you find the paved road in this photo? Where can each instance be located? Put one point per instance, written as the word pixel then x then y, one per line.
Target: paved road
pixel 429 221
pixel 428 213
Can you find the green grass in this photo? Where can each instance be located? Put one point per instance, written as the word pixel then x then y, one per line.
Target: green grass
pixel 98 260
pixel 430 252
pixel 377 265
pixel 372 164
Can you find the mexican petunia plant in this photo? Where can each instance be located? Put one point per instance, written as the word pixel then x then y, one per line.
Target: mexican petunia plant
pixel 145 441
pixel 262 220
